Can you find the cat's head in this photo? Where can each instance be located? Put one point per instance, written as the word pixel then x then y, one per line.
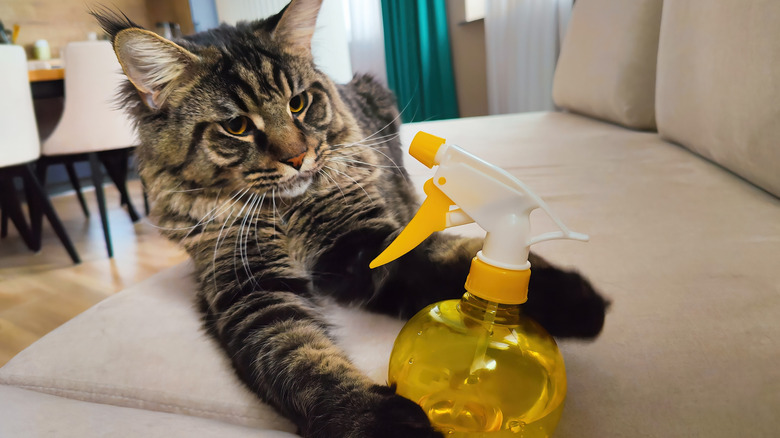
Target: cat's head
pixel 233 107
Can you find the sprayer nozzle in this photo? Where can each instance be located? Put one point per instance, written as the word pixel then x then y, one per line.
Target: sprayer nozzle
pixel 424 147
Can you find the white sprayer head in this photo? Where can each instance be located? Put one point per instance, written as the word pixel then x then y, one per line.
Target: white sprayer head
pixel 483 193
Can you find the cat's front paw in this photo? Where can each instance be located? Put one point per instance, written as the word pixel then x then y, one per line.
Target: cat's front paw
pixel 565 303
pixel 396 416
pixel 384 414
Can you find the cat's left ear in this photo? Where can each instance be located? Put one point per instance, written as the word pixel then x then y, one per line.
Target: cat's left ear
pixel 297 24
pixel 154 65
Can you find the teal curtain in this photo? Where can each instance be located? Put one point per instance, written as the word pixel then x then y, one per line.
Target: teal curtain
pixel 419 64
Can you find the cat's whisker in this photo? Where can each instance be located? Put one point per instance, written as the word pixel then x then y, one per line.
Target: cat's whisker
pixel 378 166
pixel 273 216
pixel 217 206
pixel 237 196
pixel 364 142
pixel 393 166
pixel 252 216
pixel 216 249
pixel 220 239
pixel 199 223
pixel 392 121
pixel 216 203
pixel 389 137
pixel 323 172
pixel 257 217
pixel 372 146
pixel 243 237
pixel 213 216
pixel 353 180
pixel 380 138
pixel 235 243
pixel 202 219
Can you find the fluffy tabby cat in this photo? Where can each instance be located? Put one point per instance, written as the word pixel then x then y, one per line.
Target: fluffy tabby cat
pixel 282 186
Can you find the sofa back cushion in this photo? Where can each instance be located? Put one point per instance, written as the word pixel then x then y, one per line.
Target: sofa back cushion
pixel 607 64
pixel 718 90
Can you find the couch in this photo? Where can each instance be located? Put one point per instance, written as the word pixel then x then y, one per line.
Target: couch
pixel 666 151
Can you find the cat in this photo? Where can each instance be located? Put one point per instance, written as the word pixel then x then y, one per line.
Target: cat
pixel 282 186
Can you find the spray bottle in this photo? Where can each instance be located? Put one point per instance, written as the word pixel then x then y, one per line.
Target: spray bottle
pixel 477 365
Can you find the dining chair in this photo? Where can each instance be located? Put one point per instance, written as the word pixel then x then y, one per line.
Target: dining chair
pixel 92 128
pixel 19 148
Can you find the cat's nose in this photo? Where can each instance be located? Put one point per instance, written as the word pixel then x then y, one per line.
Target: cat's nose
pixel 295 162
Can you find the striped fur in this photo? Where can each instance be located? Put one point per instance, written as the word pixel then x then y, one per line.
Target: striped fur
pixel 270 241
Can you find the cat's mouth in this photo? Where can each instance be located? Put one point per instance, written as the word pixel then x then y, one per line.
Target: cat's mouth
pixel 283 182
pixel 295 187
pixel 297 184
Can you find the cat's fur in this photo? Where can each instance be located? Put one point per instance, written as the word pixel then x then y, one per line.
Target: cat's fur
pixel 271 235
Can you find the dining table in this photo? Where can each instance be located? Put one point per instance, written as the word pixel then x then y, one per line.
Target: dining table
pixel 46 74
pixel 47 83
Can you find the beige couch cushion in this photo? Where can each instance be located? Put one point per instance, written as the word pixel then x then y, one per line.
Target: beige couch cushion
pixel 31 414
pixel 690 346
pixel 719 84
pixel 607 64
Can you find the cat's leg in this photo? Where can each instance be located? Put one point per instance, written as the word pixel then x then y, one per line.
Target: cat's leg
pixel 564 302
pixel 280 347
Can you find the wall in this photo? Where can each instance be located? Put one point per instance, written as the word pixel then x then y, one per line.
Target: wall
pixel 61 21
pixel 467 41
pixel 175 11
pixel 329 44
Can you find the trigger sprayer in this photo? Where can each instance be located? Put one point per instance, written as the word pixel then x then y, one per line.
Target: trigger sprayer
pixel 477 366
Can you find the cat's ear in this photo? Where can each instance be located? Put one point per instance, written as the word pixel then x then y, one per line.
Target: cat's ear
pixel 153 64
pixel 296 26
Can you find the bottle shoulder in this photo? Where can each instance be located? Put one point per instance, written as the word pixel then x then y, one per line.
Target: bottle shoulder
pixel 446 322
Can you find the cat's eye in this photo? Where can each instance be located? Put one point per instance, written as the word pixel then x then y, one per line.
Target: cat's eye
pixel 237 125
pixel 298 103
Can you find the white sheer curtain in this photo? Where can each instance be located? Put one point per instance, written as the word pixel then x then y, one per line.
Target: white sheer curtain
pixel 522 41
pixel 330 42
pixel 365 32
pixel 231 11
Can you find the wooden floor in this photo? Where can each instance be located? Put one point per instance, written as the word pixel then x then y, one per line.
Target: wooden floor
pixel 41 291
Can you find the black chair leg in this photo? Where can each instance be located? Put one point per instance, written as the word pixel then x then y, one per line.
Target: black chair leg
pixel 36 210
pixel 116 166
pixel 109 160
pixel 146 198
pixel 3 222
pixel 143 188
pixel 12 209
pixel 42 199
pixel 97 180
pixel 74 181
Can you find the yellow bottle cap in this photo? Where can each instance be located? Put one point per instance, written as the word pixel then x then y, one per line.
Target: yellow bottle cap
pixel 424 148
pixel 503 286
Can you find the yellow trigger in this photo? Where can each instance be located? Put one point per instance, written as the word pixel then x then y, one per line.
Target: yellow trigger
pixel 431 217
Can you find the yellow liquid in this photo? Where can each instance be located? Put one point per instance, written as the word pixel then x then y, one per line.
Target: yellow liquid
pixel 480 369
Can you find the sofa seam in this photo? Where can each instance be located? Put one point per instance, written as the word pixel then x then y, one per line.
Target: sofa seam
pixel 135 399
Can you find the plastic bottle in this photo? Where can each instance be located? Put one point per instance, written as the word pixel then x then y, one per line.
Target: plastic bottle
pixel 478 366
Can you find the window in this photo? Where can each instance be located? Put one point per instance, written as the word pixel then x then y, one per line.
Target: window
pixel 475 10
